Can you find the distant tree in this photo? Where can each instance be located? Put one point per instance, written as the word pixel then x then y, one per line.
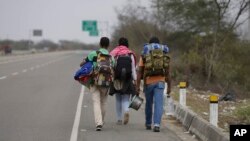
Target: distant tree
pixel 46 44
pixel 23 45
pixel 135 23
pixel 65 44
pixel 215 21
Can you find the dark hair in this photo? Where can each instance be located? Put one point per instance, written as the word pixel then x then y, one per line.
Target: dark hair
pixel 154 40
pixel 123 41
pixel 104 42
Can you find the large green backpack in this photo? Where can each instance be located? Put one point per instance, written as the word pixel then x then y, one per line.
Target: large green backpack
pixel 155 62
pixel 103 70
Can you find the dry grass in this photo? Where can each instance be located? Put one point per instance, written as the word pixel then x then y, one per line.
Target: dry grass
pixel 229 112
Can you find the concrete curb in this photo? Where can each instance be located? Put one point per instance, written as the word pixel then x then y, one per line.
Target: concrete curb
pixel 198 126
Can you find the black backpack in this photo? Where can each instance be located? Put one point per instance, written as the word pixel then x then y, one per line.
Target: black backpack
pixel 123 67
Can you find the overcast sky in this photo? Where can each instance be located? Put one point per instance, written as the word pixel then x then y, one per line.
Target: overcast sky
pixel 59 19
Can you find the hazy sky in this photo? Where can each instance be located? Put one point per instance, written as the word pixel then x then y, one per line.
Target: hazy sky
pixel 59 19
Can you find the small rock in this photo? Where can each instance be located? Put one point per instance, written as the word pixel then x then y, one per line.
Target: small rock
pixel 232 108
pixel 205 113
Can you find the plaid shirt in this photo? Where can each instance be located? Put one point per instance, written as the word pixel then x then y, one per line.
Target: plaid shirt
pixel 148 47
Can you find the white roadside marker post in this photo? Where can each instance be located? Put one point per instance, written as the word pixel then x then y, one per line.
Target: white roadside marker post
pixel 214 110
pixel 183 91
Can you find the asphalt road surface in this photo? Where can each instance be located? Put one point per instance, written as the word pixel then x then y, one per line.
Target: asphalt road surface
pixel 40 101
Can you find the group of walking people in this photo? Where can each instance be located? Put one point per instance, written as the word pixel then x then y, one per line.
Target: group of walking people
pixel 117 73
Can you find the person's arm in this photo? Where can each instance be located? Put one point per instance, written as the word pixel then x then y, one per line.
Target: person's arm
pixel 139 75
pixel 165 49
pixel 83 62
pixel 90 57
pixel 133 68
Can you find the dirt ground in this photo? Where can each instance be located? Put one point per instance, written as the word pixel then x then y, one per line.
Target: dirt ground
pixel 198 101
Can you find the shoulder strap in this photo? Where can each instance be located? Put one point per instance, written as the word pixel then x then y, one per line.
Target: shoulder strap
pixel 95 57
pixel 98 52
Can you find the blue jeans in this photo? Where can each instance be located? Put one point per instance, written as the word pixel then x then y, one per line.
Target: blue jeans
pixel 154 95
pixel 122 105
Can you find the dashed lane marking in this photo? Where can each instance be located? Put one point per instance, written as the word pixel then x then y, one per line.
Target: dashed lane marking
pixel 33 68
pixel 3 77
pixel 15 73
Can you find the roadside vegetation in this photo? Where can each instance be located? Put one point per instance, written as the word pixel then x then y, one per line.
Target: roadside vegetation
pixel 206 47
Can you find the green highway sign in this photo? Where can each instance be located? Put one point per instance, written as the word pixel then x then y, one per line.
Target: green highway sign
pixel 89 25
pixel 37 32
pixel 93 33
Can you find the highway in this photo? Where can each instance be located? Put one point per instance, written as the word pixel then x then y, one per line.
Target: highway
pixel 40 101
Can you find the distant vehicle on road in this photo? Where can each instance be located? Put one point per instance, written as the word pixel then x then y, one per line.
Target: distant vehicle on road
pixel 6 49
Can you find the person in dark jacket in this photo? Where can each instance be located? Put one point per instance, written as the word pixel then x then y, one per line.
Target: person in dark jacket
pixel 124 88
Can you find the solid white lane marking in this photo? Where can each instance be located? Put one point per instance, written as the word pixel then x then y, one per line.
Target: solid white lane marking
pixel 74 132
pixel 3 77
pixel 24 70
pixel 15 73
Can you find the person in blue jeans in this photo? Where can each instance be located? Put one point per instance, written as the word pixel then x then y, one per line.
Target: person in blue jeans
pixel 122 108
pixel 154 95
pixel 154 85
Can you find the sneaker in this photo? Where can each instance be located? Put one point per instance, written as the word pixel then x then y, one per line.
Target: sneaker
pixel 126 118
pixel 119 122
pixel 99 128
pixel 156 129
pixel 148 127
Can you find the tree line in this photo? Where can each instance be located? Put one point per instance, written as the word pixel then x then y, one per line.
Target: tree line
pixel 48 45
pixel 205 47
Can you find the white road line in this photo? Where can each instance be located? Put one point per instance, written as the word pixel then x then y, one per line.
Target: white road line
pixel 15 73
pixel 74 132
pixel 24 70
pixel 3 77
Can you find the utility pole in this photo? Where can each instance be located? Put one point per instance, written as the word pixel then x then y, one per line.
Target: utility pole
pixel 249 20
pixel 103 28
